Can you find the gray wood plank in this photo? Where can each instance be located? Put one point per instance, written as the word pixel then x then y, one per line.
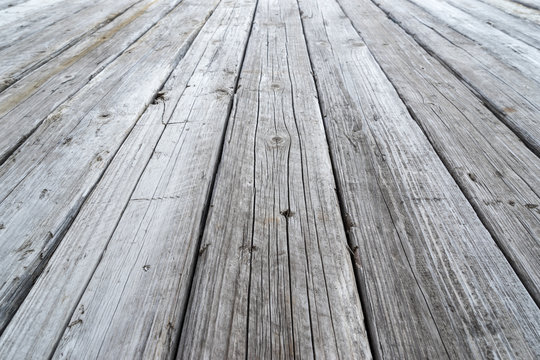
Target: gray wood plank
pixel 525 31
pixel 434 283
pixel 516 10
pixel 533 4
pixel 10 3
pixel 511 51
pixel 44 183
pixel 274 278
pixel 514 97
pixel 134 303
pixel 19 57
pixel 498 174
pixel 26 104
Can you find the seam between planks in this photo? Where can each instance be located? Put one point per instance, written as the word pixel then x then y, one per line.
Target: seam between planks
pixel 204 217
pixel 73 60
pixel 68 224
pixel 72 43
pixel 371 329
pixel 142 172
pixel 444 162
pixel 487 103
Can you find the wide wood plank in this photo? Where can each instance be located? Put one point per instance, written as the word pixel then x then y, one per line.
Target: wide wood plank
pixel 19 57
pixel 274 278
pixel 515 27
pixel 26 104
pixel 10 3
pixel 434 283
pixel 516 9
pixel 44 183
pixel 134 303
pixel 497 173
pixel 513 97
pixel 511 51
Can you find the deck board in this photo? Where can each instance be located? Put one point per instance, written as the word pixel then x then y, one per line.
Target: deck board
pixel 510 94
pixel 25 105
pixel 495 170
pixel 442 255
pixel 269 179
pixel 38 198
pixel 275 279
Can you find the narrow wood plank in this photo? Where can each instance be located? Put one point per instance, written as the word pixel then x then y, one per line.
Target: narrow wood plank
pixel 434 283
pixel 511 51
pixel 134 303
pixel 26 104
pixel 44 183
pixel 517 28
pixel 274 278
pixel 516 9
pixel 499 175
pixel 514 97
pixel 24 55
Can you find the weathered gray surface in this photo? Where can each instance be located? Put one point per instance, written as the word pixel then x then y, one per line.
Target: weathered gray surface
pixel 43 184
pixel 27 103
pixel 429 270
pixel 274 278
pixel 269 179
pixel 140 300
pixel 494 169
pixel 512 95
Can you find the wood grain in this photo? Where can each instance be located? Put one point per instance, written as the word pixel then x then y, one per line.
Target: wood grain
pixel 44 183
pixel 434 283
pixel 497 173
pixel 274 277
pixel 26 104
pixel 512 96
pixel 516 10
pixel 510 50
pixel 133 308
pixel 30 52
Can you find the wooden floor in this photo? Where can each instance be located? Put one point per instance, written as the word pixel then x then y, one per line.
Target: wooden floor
pixel 256 179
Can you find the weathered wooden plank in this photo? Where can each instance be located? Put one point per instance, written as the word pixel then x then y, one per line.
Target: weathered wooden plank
pixel 516 9
pixel 134 303
pixel 19 57
pixel 514 97
pixel 26 104
pixel 434 283
pixel 510 50
pixel 498 174
pixel 28 13
pixel 274 278
pixel 533 4
pixel 10 3
pixel 44 183
pixel 517 28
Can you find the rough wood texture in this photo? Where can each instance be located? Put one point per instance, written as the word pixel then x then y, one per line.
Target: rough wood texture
pixel 430 272
pixel 274 278
pixel 133 308
pixel 515 98
pixel 20 57
pixel 205 178
pixel 26 104
pixel 522 30
pixel 44 183
pixel 497 173
pixel 512 51
pixel 516 10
